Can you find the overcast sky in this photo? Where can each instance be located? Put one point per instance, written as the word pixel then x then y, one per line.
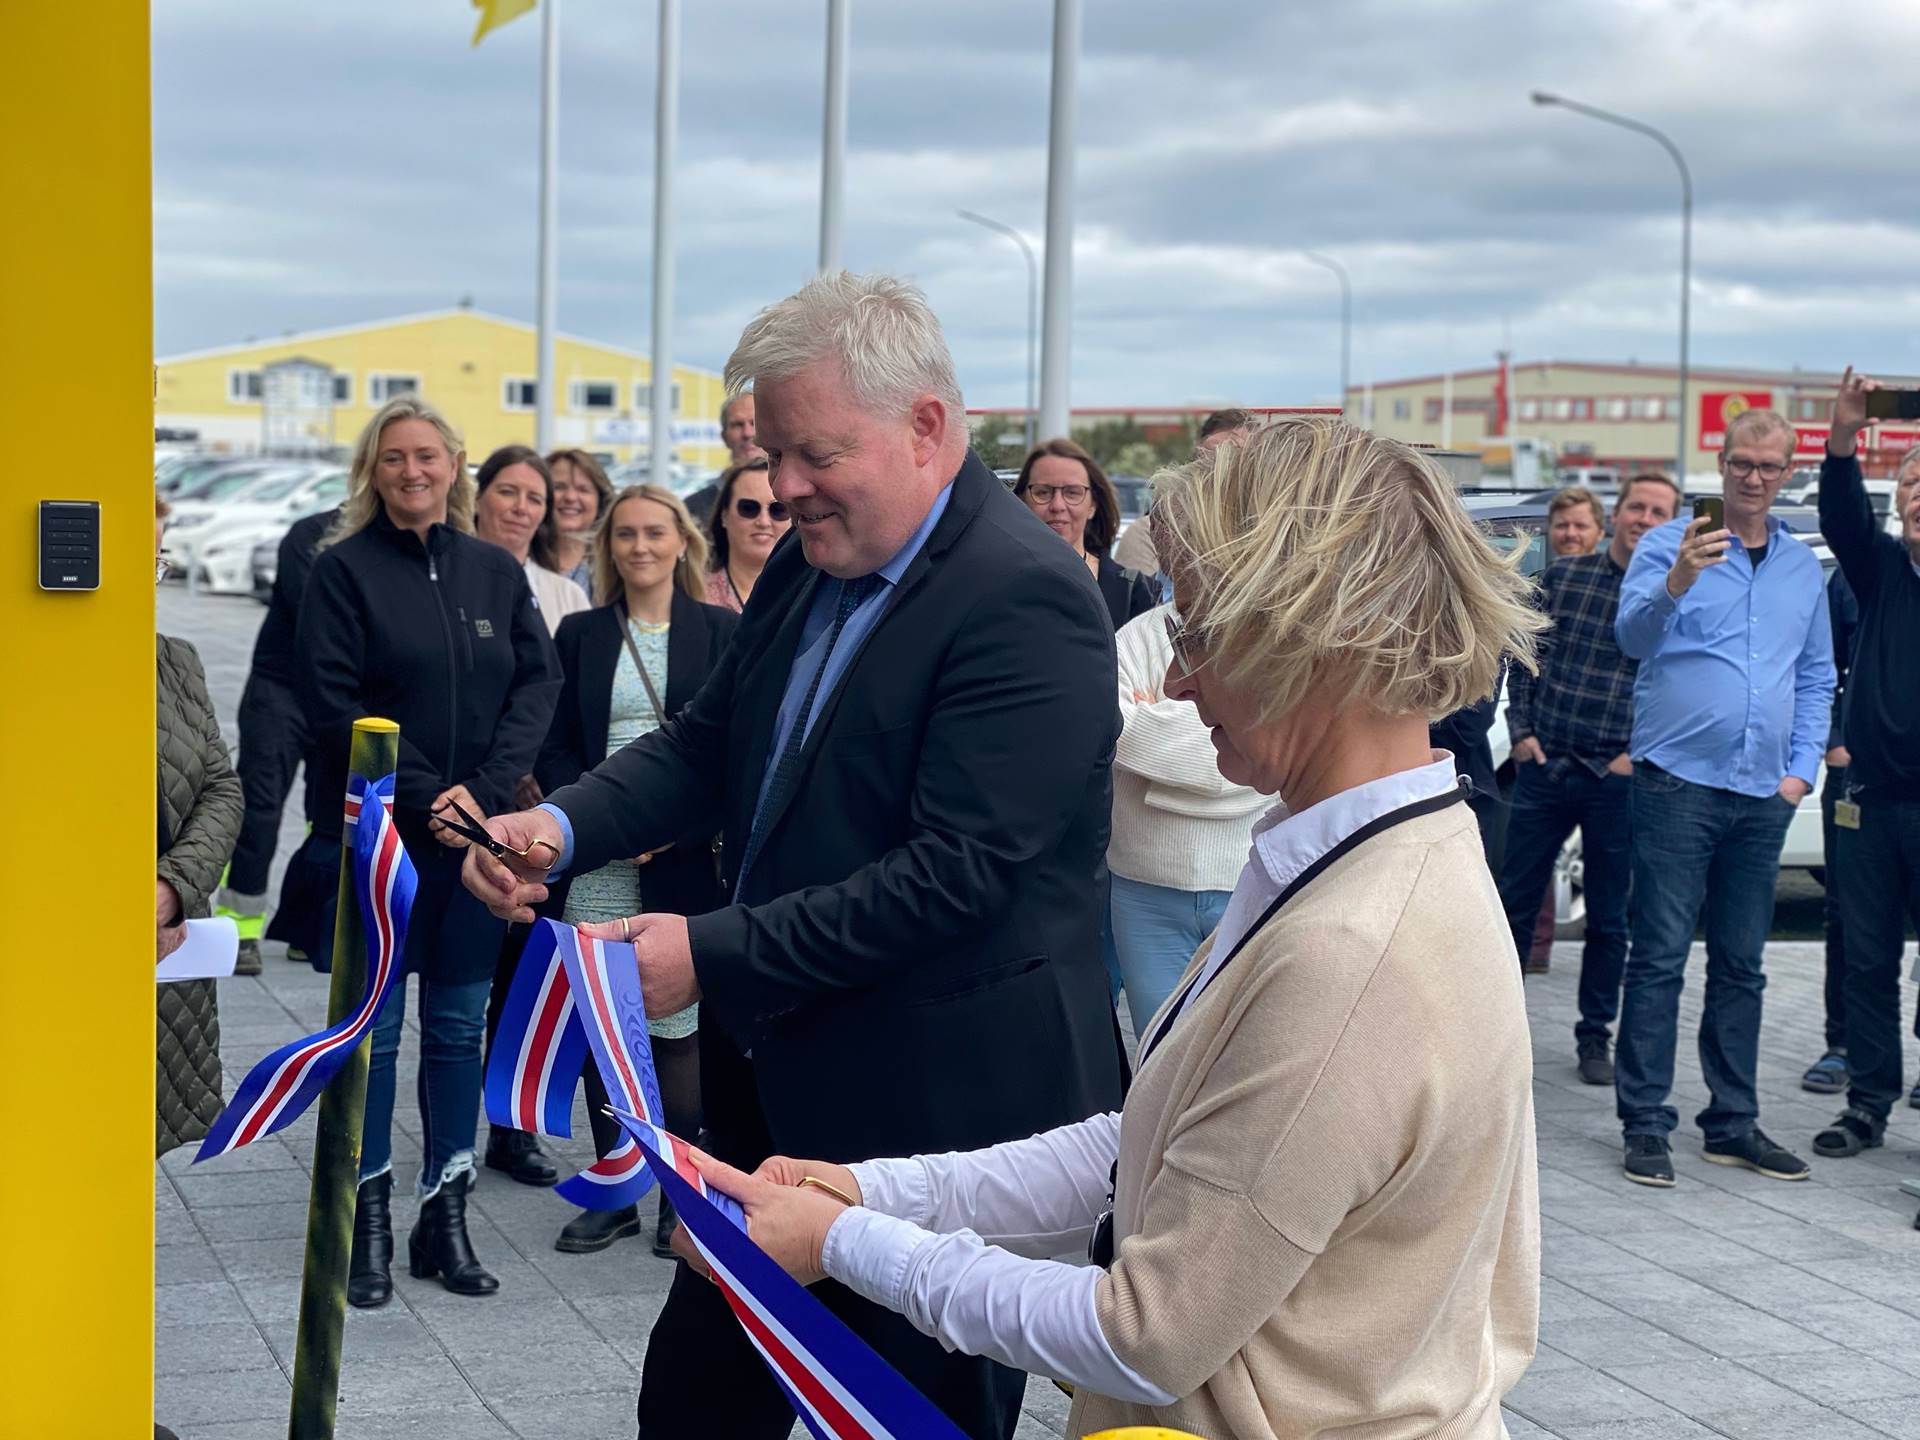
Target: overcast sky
pixel 326 164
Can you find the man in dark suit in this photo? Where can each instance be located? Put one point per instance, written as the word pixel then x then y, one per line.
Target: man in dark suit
pixel 907 749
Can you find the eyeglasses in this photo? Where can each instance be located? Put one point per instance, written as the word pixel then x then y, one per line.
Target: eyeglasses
pixel 473 834
pixel 1186 639
pixel 750 510
pixel 1741 469
pixel 1043 494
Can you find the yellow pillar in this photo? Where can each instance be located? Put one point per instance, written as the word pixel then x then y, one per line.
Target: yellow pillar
pixel 77 725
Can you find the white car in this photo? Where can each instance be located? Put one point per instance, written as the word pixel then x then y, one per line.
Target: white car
pixel 267 487
pixel 218 556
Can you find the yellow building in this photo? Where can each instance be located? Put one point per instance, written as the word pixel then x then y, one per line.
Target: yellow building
pixel 477 368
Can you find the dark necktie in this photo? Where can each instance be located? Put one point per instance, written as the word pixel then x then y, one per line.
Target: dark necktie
pixel 786 769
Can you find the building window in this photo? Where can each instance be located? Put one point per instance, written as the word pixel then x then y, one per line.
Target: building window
pixel 595 396
pixel 1472 405
pixel 1582 409
pixel 243 387
pixel 1614 408
pixel 643 396
pixel 1650 407
pixel 1812 407
pixel 1528 409
pixel 1560 409
pixel 342 387
pixel 382 388
pixel 519 394
pixel 1403 409
pixel 1431 410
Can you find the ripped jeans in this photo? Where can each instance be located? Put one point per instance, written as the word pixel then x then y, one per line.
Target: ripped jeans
pixel 453 1020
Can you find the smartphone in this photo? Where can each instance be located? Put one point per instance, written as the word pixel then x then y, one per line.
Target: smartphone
pixel 1893 404
pixel 1712 508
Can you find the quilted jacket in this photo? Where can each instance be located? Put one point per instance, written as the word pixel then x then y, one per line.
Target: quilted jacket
pixel 200 803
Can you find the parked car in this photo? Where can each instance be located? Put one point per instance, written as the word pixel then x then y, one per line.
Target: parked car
pixel 219 555
pixel 265 565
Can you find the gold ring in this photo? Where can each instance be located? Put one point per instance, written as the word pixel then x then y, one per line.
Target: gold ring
pixel 626 928
pixel 835 1191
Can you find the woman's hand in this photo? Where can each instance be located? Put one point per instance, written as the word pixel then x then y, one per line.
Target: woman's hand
pixel 789 1222
pixel 460 795
pixel 783 1170
pixel 527 792
pixel 166 904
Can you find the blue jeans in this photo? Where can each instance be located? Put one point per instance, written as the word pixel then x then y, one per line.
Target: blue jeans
pixel 1156 929
pixel 1695 844
pixel 453 1021
pixel 1549 802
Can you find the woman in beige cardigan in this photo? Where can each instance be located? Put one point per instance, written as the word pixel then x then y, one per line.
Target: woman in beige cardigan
pixel 1318 1212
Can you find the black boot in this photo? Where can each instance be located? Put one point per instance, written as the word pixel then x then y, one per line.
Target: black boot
pixel 592 1230
pixel 439 1244
pixel 663 1229
pixel 519 1155
pixel 370 1271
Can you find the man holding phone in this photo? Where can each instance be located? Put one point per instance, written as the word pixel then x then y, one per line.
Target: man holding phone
pixel 1730 708
pixel 1877 819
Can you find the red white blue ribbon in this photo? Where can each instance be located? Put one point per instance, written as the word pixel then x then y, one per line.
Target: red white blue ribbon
pixel 838 1385
pixel 564 978
pixel 279 1089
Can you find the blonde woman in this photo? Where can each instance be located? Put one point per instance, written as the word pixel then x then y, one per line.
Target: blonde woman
pixel 408 616
pixel 628 666
pixel 1318 1212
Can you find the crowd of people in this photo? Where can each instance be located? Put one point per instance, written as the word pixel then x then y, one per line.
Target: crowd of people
pixel 892 772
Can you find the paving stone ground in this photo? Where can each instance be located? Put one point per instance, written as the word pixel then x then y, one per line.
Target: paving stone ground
pixel 1731 1305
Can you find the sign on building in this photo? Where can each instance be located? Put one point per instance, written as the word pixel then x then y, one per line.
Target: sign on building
pixel 1719 408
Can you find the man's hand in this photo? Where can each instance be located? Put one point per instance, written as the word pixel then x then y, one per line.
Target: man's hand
pixel 510 887
pixel 169 938
pixel 665 957
pixel 166 904
pixel 445 800
pixel 789 1222
pixel 1793 790
pixel 1849 413
pixel 1700 549
pixel 1621 764
pixel 1838 758
pixel 527 792
pixel 1530 751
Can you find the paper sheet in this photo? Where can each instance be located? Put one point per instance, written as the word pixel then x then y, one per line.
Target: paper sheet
pixel 209 952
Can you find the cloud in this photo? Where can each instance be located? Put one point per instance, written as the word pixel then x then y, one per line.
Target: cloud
pixel 320 167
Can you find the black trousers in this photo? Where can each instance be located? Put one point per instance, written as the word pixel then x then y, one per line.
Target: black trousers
pixel 273 733
pixel 1835 989
pixel 1881 892
pixel 701 1377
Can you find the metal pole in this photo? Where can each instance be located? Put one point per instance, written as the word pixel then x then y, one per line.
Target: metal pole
pixel 1033 306
pixel 336 1143
pixel 665 124
pixel 547 286
pixel 1346 318
pixel 833 139
pixel 1592 112
pixel 1446 410
pixel 1056 325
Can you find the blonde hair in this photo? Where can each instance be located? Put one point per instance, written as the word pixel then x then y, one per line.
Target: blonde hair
pixel 688 572
pixel 1758 425
pixel 363 501
pixel 1319 558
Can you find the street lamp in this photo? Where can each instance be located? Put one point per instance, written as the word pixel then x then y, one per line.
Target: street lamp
pixel 1033 308
pixel 1346 317
pixel 1542 97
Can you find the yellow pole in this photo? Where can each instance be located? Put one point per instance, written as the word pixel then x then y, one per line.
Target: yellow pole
pixel 334 1194
pixel 77 730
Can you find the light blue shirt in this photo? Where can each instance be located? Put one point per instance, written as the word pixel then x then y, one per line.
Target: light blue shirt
pixel 806 658
pixel 1736 676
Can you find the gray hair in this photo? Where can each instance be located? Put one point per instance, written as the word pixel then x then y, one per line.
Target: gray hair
pixel 1759 425
pixel 878 328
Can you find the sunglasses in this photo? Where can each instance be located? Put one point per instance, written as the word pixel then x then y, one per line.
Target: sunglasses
pixel 471 832
pixel 750 509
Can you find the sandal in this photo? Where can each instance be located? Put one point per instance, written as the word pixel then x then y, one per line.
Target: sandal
pixel 1828 1075
pixel 1853 1131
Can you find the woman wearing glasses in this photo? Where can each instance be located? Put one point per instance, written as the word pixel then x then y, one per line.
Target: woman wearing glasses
pixel 628 666
pixel 744 526
pixel 408 616
pixel 1318 1212
pixel 1067 489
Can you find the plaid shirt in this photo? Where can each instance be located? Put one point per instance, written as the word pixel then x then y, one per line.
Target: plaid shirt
pixel 1580 706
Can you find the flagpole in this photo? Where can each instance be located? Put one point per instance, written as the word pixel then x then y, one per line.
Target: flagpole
pixel 833 139
pixel 336 1142
pixel 1056 300
pixel 547 287
pixel 666 114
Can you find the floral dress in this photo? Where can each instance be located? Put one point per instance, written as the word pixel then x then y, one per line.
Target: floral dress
pixel 614 889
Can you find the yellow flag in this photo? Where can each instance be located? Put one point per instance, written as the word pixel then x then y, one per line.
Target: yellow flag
pixel 495 13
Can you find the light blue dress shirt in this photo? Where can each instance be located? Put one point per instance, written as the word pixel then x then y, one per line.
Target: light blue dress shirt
pixel 806 658
pixel 1736 676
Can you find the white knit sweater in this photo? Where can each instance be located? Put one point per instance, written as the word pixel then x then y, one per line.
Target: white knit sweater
pixel 1176 821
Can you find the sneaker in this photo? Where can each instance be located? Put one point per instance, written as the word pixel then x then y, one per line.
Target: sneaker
pixel 1649 1160
pixel 248 961
pixel 1756 1152
pixel 1852 1131
pixel 1596 1068
pixel 1828 1075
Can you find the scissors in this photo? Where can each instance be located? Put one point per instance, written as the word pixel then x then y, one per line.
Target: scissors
pixel 471 832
